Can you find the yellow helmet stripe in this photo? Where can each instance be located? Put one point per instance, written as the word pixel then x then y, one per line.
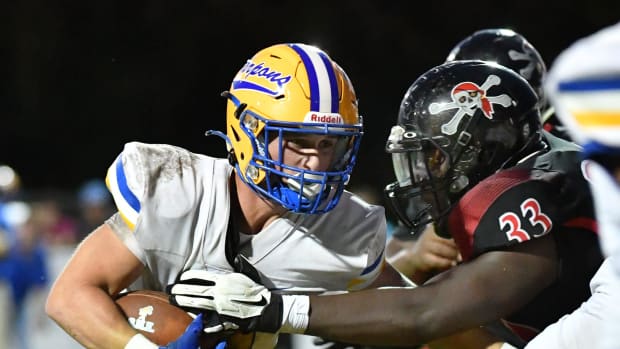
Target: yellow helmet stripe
pixel 597 118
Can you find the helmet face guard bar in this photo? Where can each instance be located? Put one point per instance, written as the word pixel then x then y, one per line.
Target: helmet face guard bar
pixel 422 165
pixel 418 201
pixel 406 202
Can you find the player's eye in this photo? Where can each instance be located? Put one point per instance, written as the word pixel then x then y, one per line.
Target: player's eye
pixel 310 142
pixel 327 143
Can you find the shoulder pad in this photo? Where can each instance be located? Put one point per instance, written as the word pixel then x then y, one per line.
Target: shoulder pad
pixel 561 155
pixel 137 172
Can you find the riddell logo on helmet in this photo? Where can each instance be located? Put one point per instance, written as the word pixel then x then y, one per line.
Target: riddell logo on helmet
pixel 323 118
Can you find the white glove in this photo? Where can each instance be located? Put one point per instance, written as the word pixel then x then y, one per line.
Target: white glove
pixel 235 302
pixel 240 303
pixel 232 294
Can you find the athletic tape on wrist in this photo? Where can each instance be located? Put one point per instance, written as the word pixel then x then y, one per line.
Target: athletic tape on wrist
pixel 140 342
pixel 295 313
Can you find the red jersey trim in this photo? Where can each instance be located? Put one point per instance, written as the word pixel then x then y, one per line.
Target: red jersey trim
pixel 584 223
pixel 466 214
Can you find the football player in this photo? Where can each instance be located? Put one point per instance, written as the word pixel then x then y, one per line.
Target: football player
pixel 423 257
pixel 469 148
pixel 584 87
pixel 278 200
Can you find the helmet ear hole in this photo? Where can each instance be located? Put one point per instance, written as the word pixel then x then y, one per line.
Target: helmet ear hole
pixel 235 134
pixel 240 110
pixel 488 154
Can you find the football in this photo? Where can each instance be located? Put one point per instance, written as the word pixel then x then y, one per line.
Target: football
pixel 151 314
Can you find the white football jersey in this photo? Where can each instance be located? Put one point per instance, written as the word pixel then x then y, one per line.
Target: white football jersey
pixel 587 325
pixel 177 206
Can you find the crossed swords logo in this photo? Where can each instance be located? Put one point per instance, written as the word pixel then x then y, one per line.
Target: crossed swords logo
pixel 469 97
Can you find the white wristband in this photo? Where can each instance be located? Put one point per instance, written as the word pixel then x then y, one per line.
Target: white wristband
pixel 295 313
pixel 140 342
pixel 507 346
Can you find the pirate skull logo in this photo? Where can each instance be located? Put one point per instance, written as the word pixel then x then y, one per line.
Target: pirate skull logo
pixel 527 55
pixel 469 97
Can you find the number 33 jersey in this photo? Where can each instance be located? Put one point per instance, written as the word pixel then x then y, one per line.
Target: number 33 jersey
pixel 544 194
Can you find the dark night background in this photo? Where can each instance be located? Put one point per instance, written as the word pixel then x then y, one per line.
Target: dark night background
pixel 82 78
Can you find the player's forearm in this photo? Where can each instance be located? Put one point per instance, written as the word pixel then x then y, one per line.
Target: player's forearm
pixel 375 318
pixel 90 316
pixel 80 298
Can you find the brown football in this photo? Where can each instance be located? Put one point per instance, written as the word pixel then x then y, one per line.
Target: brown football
pixel 151 314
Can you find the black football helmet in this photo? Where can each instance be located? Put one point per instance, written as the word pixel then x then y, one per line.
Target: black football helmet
pixel 508 48
pixel 458 123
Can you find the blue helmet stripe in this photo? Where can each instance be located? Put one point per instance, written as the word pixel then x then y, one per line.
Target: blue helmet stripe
pixel 590 85
pixel 121 180
pixel 321 77
pixel 594 148
pixel 315 97
pixel 333 83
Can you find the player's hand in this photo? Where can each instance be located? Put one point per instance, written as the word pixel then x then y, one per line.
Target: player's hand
pixel 240 303
pixel 419 259
pixel 431 252
pixel 190 339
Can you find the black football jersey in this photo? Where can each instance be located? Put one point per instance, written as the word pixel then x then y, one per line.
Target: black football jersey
pixel 544 194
